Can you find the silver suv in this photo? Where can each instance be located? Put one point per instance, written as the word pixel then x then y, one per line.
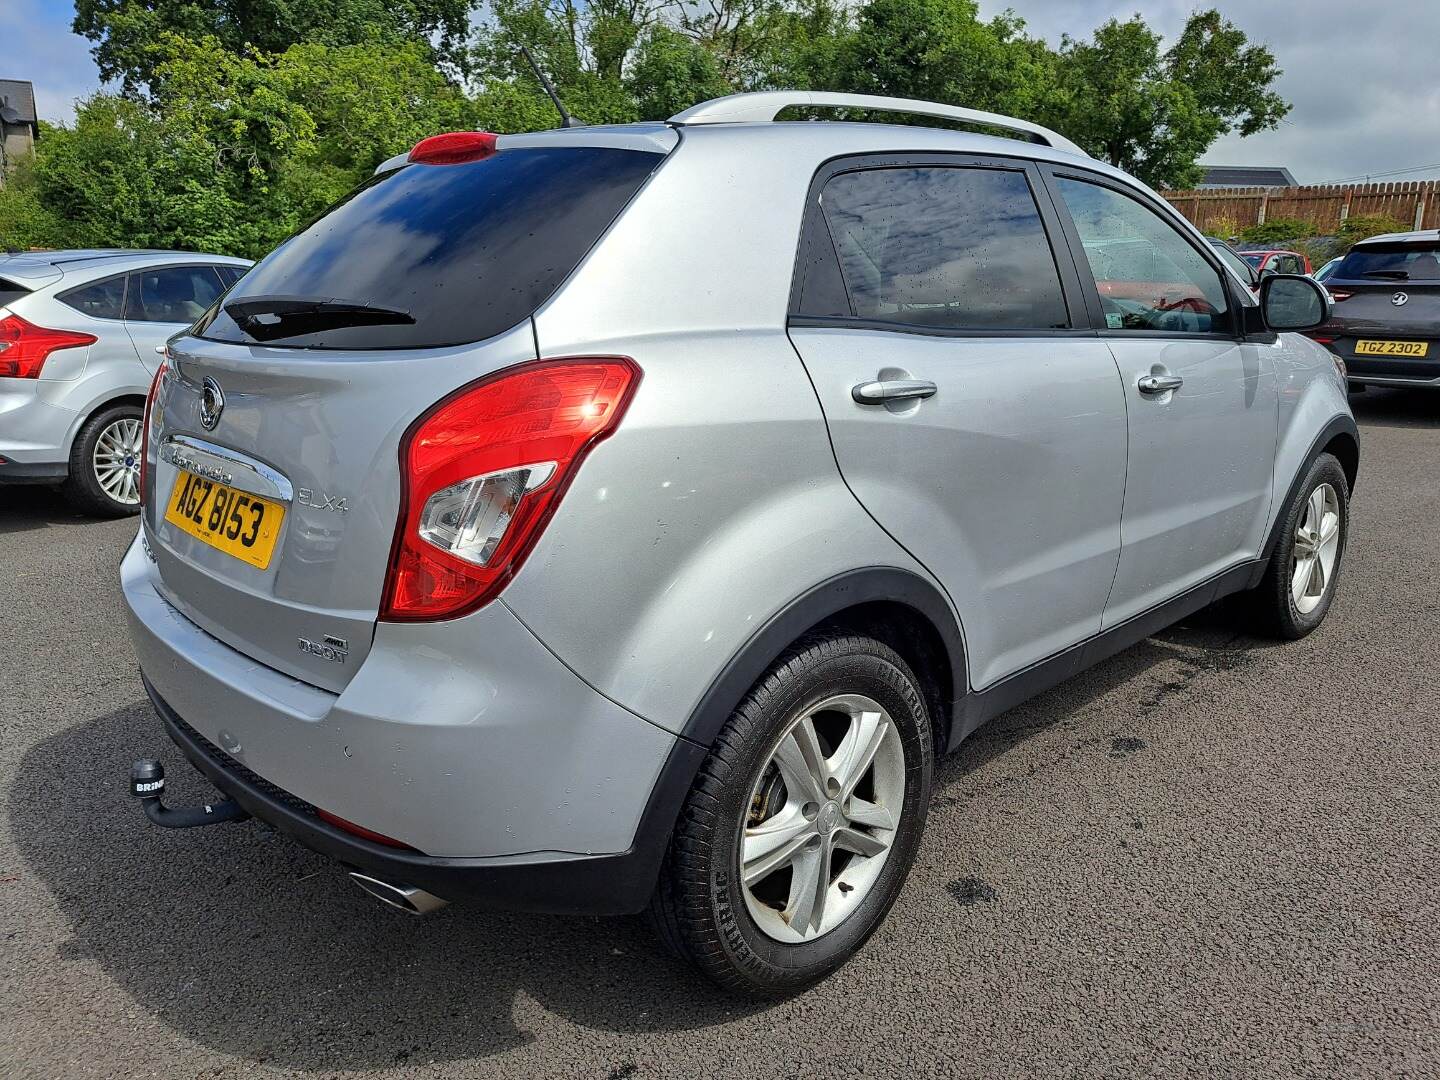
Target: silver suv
pixel 79 332
pixel 625 517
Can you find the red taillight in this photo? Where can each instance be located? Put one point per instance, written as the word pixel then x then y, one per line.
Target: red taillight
pixel 145 426
pixel 1339 294
pixel 1319 340
pixel 24 346
pixel 482 472
pixel 453 148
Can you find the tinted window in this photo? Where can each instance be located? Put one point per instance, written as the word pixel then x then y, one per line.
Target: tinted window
pixel 1148 275
pixel 462 251
pixel 172 294
pixel 100 300
pixel 229 274
pixel 9 290
pixel 1396 262
pixel 939 246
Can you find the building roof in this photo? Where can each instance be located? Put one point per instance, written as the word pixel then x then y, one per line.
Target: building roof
pixel 20 96
pixel 1224 176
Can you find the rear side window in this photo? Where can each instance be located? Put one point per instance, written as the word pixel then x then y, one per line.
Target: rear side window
pixel 449 253
pixel 949 247
pixel 100 300
pixel 9 291
pixel 172 294
pixel 229 274
pixel 1393 262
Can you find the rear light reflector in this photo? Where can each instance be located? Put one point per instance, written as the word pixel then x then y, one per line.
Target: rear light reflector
pixel 145 425
pixel 1339 294
pixel 24 346
pixel 482 472
pixel 1322 340
pixel 453 148
pixel 360 830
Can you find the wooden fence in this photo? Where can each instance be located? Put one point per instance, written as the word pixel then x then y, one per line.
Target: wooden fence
pixel 1415 204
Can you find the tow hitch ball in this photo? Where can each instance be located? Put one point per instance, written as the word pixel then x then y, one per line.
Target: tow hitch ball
pixel 147 783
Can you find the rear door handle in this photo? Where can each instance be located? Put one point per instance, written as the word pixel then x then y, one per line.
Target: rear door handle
pixel 879 393
pixel 1158 384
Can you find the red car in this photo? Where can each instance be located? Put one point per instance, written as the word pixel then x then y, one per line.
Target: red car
pixel 1279 262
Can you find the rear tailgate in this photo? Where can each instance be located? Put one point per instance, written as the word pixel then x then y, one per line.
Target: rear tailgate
pixel 274 440
pixel 318 435
pixel 1400 320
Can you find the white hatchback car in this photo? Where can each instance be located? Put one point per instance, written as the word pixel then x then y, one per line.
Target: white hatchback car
pixel 79 332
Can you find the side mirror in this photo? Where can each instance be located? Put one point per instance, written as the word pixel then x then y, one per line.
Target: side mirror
pixel 1293 302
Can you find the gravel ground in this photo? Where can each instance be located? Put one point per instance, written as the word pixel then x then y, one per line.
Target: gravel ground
pixel 1210 855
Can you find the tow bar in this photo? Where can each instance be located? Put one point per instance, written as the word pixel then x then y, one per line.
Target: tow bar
pixel 147 783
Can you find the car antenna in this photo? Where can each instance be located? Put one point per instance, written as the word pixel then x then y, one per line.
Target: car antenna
pixel 566 120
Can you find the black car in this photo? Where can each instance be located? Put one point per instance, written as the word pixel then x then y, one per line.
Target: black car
pixel 1386 323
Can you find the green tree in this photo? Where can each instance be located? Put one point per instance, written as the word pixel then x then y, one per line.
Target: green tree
pixel 233 153
pixel 125 32
pixel 1154 113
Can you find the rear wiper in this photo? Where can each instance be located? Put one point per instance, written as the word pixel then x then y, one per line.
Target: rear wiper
pixel 268 317
pixel 1393 275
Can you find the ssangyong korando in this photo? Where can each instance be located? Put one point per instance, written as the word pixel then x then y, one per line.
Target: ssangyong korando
pixel 617 518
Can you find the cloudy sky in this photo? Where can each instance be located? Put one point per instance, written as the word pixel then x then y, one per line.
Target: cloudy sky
pixel 1362 76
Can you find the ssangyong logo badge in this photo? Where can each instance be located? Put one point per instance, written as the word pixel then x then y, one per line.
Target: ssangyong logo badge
pixel 1400 299
pixel 212 403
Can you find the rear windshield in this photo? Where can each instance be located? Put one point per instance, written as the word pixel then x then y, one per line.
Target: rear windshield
pixel 449 254
pixel 1393 262
pixel 10 291
pixel 1252 259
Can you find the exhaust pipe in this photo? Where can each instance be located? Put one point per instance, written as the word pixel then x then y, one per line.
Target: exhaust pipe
pixel 407 898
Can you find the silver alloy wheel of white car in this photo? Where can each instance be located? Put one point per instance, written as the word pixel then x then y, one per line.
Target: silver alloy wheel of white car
pixel 117 460
pixel 1317 547
pixel 832 833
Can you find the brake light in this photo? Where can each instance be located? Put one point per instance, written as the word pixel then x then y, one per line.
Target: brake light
pixel 453 148
pixel 145 425
pixel 24 346
pixel 482 472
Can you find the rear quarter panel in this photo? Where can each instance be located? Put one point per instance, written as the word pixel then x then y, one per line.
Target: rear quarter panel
pixel 717 501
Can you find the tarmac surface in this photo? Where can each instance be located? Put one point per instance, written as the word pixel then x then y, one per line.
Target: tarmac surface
pixel 1211 855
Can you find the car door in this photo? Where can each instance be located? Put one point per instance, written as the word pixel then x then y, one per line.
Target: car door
pixel 971 410
pixel 1201 402
pixel 163 300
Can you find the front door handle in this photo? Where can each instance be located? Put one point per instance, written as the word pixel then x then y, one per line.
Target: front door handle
pixel 884 391
pixel 1158 384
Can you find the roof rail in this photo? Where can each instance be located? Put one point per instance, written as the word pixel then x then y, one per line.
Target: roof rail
pixel 766 105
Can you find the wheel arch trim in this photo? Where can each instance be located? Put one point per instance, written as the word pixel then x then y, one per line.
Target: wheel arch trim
pixel 824 601
pixel 1340 428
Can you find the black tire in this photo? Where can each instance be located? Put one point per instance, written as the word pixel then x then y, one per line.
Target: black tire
pixel 1272 602
pixel 699 908
pixel 82 487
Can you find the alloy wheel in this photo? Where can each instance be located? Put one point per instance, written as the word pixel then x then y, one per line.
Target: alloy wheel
pixel 1317 549
pixel 823 814
pixel 117 460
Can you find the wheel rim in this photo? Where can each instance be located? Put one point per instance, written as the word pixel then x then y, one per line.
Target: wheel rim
pixel 1317 549
pixel 117 461
pixel 822 817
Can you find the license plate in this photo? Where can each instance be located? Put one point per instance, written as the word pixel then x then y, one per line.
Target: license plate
pixel 1391 348
pixel 235 522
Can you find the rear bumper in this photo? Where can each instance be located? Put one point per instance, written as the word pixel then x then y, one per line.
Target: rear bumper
pixel 468 741
pixel 616 884
pixel 34 435
pixel 1360 378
